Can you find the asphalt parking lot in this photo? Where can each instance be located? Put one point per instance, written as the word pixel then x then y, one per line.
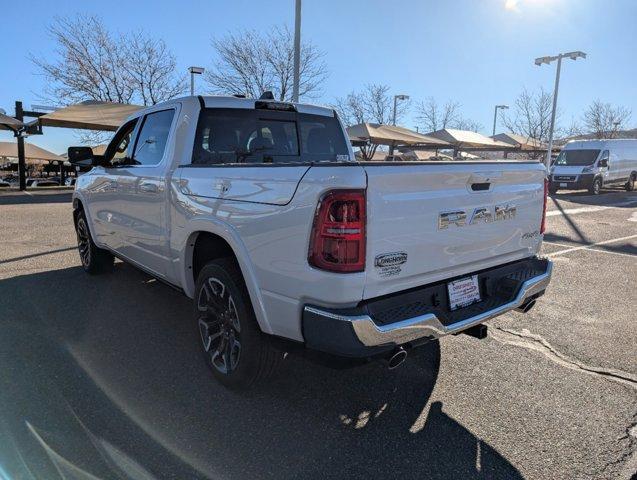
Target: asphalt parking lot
pixel 101 377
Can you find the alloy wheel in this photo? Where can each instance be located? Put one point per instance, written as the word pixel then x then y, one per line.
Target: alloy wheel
pixel 83 242
pixel 219 325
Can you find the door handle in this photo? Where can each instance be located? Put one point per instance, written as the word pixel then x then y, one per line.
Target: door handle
pixel 148 187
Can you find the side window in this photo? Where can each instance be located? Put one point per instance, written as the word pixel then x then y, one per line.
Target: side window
pixel 120 148
pixel 152 138
pixel 604 155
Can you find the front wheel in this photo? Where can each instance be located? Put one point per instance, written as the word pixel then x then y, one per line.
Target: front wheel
pixel 233 345
pixel 94 259
pixel 552 190
pixel 596 187
pixel 630 184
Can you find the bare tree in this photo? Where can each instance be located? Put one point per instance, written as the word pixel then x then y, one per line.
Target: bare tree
pixel 531 115
pixel 249 63
pixel 574 129
pixel 433 116
pixel 351 108
pixel 468 124
pixel 93 64
pixel 89 64
pixel 150 68
pixel 373 104
pixel 603 120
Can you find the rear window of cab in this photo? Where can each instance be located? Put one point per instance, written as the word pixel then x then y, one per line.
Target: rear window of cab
pixel 246 136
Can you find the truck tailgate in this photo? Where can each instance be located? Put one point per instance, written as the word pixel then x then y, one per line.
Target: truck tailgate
pixel 429 222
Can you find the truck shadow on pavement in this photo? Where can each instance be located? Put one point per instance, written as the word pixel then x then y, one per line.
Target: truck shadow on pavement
pixel 21 198
pixel 103 375
pixel 616 196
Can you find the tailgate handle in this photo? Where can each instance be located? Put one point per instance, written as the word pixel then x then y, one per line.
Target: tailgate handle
pixel 480 186
pixel 481 181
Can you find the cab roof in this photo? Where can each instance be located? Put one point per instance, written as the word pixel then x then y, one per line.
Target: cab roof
pixel 218 101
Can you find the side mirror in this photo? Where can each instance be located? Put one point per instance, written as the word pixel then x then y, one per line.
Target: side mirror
pixel 83 156
pixel 603 162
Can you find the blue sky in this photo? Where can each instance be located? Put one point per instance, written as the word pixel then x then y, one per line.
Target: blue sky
pixel 476 52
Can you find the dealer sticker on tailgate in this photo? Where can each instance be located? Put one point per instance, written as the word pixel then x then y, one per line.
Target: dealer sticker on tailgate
pixel 463 292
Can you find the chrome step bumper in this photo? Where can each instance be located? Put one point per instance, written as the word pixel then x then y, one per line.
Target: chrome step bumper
pixel 371 334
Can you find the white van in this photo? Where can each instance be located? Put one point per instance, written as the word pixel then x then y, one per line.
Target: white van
pixel 593 164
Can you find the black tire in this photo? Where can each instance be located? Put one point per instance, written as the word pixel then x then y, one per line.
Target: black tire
pixel 232 343
pixel 630 184
pixel 94 260
pixel 596 187
pixel 552 190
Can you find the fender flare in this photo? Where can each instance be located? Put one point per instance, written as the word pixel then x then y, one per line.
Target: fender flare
pixel 76 200
pixel 231 236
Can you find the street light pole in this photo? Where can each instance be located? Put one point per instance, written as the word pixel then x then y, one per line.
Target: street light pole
pixel 297 51
pixel 22 164
pixel 495 115
pixel 548 60
pixel 393 121
pixel 396 98
pixel 194 71
pixel 553 112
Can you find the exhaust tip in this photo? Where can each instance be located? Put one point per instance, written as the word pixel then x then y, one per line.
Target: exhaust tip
pixel 527 306
pixel 397 358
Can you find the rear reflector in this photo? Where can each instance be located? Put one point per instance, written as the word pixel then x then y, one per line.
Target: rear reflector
pixel 337 242
pixel 546 193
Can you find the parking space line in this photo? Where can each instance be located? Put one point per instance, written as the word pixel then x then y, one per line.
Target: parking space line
pixel 589 246
pixel 613 253
pixel 572 211
pixel 557 244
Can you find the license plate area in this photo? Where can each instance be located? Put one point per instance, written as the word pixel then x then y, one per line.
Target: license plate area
pixel 463 292
pixel 563 184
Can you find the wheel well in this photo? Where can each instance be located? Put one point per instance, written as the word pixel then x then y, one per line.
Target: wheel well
pixel 77 208
pixel 208 246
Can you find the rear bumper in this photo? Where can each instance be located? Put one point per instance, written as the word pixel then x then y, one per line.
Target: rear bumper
pixel 573 182
pixel 365 331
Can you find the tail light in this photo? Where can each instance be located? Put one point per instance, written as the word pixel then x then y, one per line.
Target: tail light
pixel 546 193
pixel 337 242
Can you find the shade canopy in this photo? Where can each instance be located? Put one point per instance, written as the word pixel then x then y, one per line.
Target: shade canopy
pixel 520 142
pixel 376 156
pixel 90 115
pixel 391 135
pixel 99 149
pixel 465 139
pixel 9 123
pixel 425 155
pixel 32 153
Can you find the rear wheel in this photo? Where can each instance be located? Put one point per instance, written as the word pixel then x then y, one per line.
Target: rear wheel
pixel 94 259
pixel 596 187
pixel 630 184
pixel 233 345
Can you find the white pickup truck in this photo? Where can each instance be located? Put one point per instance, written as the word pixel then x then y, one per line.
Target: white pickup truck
pixel 259 212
